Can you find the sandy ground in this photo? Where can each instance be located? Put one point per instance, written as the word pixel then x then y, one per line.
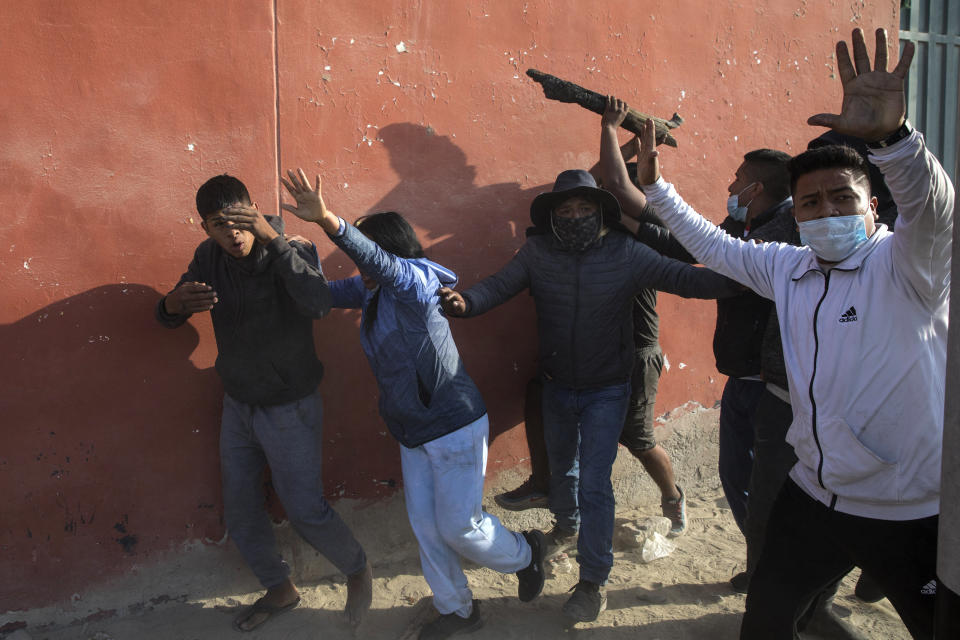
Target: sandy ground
pixel 683 596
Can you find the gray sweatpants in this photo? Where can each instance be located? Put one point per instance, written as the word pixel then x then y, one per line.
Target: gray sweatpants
pixel 287 437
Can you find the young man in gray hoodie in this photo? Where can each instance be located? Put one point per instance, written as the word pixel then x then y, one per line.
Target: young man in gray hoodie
pixel 263 293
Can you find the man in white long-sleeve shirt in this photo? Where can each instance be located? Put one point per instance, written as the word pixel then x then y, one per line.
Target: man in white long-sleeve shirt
pixel 863 317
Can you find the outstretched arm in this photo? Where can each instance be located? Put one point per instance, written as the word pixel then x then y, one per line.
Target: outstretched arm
pixel 662 241
pixel 652 270
pixel 922 244
pixel 745 262
pixel 387 269
pixel 613 168
pixel 490 292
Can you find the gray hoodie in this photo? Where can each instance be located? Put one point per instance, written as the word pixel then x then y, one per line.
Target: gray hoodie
pixel 263 321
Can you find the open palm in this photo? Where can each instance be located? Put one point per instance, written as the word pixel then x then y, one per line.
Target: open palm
pixel 310 205
pixel 874 104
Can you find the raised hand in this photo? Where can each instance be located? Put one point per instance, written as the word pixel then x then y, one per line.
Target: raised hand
pixel 310 206
pixel 648 165
pixel 615 113
pixel 451 302
pixel 247 218
pixel 873 100
pixel 190 297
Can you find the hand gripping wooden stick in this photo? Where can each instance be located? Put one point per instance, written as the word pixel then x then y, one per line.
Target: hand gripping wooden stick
pixel 563 91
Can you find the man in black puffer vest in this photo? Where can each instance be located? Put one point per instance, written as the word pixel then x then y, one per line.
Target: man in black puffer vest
pixel 583 277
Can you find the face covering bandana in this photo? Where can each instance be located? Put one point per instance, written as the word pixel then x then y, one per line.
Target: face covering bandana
pixel 834 238
pixel 737 211
pixel 576 234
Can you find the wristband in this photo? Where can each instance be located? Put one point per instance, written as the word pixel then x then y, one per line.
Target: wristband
pixel 895 137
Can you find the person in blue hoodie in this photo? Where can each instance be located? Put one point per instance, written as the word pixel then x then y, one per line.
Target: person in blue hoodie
pixel 430 405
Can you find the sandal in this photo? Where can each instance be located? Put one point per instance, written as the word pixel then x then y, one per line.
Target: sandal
pixel 261 607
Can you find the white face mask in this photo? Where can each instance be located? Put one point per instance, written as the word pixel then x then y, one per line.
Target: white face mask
pixel 736 210
pixel 833 239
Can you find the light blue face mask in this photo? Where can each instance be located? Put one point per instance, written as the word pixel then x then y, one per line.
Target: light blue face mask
pixel 835 238
pixel 737 211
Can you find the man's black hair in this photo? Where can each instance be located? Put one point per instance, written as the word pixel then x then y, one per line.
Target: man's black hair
pixel 392 233
pixel 769 168
pixel 219 192
pixel 833 156
pixel 886 207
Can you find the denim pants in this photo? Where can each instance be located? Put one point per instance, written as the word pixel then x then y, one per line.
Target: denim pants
pixel 581 428
pixel 287 437
pixel 739 401
pixel 443 488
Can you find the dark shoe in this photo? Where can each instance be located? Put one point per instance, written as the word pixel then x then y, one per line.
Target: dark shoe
pixel 740 582
pixel 560 539
pixel 450 624
pixel 676 510
pixel 586 603
pixel 531 578
pixel 526 496
pixel 867 590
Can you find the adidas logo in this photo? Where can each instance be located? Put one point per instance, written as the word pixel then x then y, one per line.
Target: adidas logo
pixel 929 589
pixel 850 315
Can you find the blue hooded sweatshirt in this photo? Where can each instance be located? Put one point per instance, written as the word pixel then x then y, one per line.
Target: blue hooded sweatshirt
pixel 425 392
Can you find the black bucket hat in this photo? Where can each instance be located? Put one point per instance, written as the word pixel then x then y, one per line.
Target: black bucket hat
pixel 573 182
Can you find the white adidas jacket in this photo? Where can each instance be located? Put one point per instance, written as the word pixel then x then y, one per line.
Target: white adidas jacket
pixel 864 344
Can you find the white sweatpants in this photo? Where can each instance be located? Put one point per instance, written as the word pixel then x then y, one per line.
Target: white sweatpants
pixel 443 487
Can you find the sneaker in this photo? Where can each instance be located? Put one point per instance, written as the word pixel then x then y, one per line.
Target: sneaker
pixel 526 496
pixel 740 582
pixel 676 510
pixel 560 539
pixel 450 624
pixel 586 603
pixel 531 578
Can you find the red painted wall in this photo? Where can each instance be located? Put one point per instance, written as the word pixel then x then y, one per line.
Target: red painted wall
pixel 114 112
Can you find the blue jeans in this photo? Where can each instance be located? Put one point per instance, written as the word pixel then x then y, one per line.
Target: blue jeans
pixel 581 429
pixel 287 436
pixel 443 488
pixel 737 405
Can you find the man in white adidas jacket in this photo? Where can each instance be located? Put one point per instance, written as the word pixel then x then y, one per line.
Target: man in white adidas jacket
pixel 863 316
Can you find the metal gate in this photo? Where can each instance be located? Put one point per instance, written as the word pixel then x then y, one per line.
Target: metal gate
pixel 934 77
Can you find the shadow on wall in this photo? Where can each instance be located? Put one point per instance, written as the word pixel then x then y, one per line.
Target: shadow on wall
pixel 111 432
pixel 110 443
pixel 473 230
